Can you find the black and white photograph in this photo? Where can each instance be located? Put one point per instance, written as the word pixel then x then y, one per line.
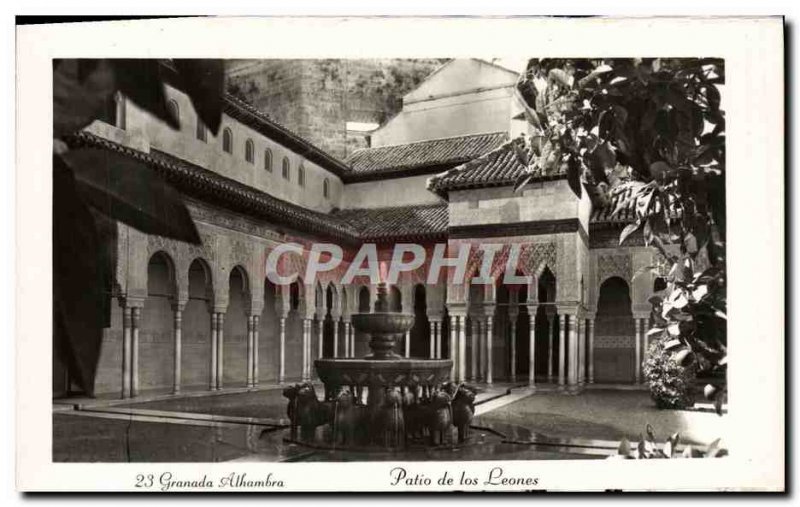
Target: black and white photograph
pixel 453 260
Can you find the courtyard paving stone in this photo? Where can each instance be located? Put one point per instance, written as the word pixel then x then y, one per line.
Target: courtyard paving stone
pixel 605 415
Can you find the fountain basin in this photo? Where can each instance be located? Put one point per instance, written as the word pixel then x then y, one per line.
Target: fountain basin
pixel 398 372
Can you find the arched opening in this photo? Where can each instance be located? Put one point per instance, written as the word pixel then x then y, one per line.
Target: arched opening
pixel 249 151
pixel 395 299
pixel 268 160
pixel 301 176
pixel 294 332
pixel 196 330
pixel 227 140
pixel 326 190
pixel 363 300
pixel 174 111
pixel 156 339
pixel 235 336
pixel 522 336
pixel 614 341
pixel 328 323
pixel 269 335
pixel 421 332
pixel 547 330
pixel 285 169
pixel 363 307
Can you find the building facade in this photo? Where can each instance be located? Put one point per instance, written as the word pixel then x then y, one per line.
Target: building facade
pixel 441 171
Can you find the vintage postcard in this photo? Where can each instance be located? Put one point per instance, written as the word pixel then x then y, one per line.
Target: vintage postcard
pixel 320 254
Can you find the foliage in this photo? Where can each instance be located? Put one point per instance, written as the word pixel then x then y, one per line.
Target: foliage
pixel 670 382
pixel 648 449
pixel 92 188
pixel 649 135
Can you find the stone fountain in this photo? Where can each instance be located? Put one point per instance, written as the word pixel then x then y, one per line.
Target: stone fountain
pixel 382 400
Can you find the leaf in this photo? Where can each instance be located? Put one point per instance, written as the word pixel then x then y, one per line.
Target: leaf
pixel 628 230
pixel 713 449
pixel 522 180
pixel 672 344
pixel 141 81
pixel 127 190
pixel 655 331
pixel 681 356
pixel 80 304
pixel 688 452
pixel 204 82
pixel 79 99
pixel 574 175
pixel 560 77
pixel 710 391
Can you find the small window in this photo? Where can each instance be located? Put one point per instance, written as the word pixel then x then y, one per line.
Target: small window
pixel 301 176
pixel 326 188
pixel 227 140
pixel 174 111
pixel 268 160
pixel 249 151
pixel 121 117
pixel 285 168
pixel 202 132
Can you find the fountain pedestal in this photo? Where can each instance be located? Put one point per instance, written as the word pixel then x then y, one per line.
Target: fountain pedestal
pixel 395 384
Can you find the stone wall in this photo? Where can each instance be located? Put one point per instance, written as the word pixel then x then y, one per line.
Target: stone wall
pixel 316 97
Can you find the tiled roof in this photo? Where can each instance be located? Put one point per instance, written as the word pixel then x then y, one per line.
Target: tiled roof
pixel 349 225
pixel 604 214
pixel 196 181
pixel 437 152
pixel 421 221
pixel 497 168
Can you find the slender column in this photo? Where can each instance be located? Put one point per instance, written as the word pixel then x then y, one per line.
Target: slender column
pixel 453 351
pixel 352 340
pixel 347 351
pixel 220 349
pixel 573 351
pixel 638 366
pixel 532 344
pixel 282 352
pixel 407 344
pixel 321 336
pixel 512 370
pixel 250 350
pixel 176 332
pixel 126 351
pixel 489 333
pixel 335 338
pixel 591 350
pixel 581 329
pixel 432 340
pixel 439 330
pixel 135 321
pixel 561 348
pixel 550 348
pixel 473 370
pixel 256 322
pixel 306 347
pixel 462 348
pixel 212 378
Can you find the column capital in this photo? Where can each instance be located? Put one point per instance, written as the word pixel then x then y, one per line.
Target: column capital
pixel 178 306
pixel 567 308
pixel 641 315
pixel 128 301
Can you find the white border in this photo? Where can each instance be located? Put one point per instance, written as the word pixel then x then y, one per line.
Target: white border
pixel 753 50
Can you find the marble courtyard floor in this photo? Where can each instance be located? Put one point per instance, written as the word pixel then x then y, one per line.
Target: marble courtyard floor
pixel 512 423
